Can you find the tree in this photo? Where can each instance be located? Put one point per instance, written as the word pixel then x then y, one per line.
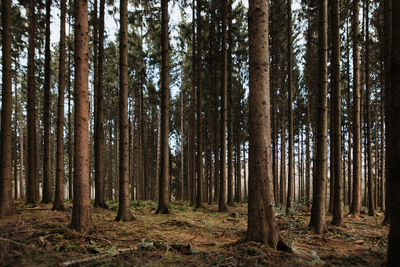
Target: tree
pixel 394 166
pixel 317 222
pixel 337 211
pixel 356 199
pixel 124 212
pixel 230 200
pixel 99 118
pixel 290 192
pixel 46 111
pixel 163 200
pixel 222 187
pixel 371 199
pixel 31 110
pixel 81 216
pixel 59 192
pixel 7 206
pixel 261 220
pixel 199 196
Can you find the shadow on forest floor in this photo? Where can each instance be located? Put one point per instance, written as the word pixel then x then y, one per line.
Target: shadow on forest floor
pixel 39 236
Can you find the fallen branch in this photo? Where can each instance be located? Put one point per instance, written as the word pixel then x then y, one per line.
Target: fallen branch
pixel 96 258
pixel 15 243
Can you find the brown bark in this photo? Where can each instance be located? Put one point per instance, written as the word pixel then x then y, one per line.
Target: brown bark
pixel 283 162
pixel 99 118
pixel 230 200
pixel 356 199
pixel 317 222
pixel 46 112
pixel 337 210
pixel 124 212
pixel 290 193
pixel 261 220
pixel 59 189
pixel 81 216
pixel 31 110
pixel 7 206
pixel 70 137
pixel 199 195
pixel 394 167
pixel 163 204
pixel 222 187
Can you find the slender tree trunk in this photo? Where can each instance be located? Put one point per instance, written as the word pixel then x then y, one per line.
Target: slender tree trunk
pixel 7 206
pixel 81 216
pixel 46 112
pixel 31 109
pixel 261 220
pixel 337 211
pixel 222 187
pixel 199 195
pixel 59 189
pixel 394 167
pixel 70 146
pixel 283 162
pixel 124 212
pixel 356 199
pixel 180 195
pixel 317 222
pixel 290 193
pixel 230 200
pixel 371 201
pixel 163 204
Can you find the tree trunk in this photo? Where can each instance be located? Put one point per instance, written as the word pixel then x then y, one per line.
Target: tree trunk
pixel 290 193
pixel 7 206
pixel 70 146
pixel 124 212
pixel 199 195
pixel 356 199
pixel 337 211
pixel 230 200
pixel 31 109
pixel 317 222
pixel 394 167
pixel 283 162
pixel 261 220
pixel 163 201
pixel 81 216
pixel 59 189
pixel 46 112
pixel 222 187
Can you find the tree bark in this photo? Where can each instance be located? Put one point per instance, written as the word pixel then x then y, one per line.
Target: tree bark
pixel 81 215
pixel 337 211
pixel 59 189
pixel 7 206
pixel 317 222
pixel 290 194
pixel 356 199
pixel 124 212
pixel 261 220
pixel 222 187
pixel 394 167
pixel 163 204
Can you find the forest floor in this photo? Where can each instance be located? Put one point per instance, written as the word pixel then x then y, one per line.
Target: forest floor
pixel 41 237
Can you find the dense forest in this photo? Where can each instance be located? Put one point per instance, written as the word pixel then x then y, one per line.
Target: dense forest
pixel 203 132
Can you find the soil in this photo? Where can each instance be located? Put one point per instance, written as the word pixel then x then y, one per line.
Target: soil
pixel 39 236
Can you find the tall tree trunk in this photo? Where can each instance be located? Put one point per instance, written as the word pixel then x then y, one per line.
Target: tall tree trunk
pixel 124 212
pixel 99 118
pixel 230 200
pixel 356 199
pixel 371 199
pixel 222 187
pixel 163 204
pixel 46 112
pixel 290 193
pixel 394 167
pixel 7 206
pixel 81 216
pixel 199 196
pixel 317 222
pixel 261 220
pixel 31 109
pixel 59 189
pixel 70 142
pixel 337 210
